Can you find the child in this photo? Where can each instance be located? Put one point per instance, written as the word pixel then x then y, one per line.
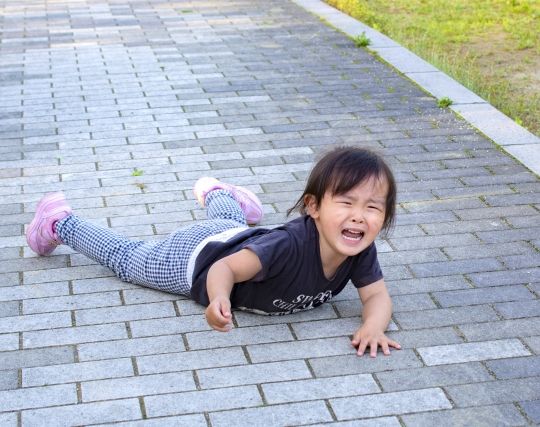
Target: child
pixel 222 264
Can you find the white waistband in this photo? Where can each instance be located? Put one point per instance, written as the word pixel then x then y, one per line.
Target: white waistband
pixel 220 237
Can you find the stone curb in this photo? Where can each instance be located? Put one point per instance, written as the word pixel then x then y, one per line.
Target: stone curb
pixel 503 131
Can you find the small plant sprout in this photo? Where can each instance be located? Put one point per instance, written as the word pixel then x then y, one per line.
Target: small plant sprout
pixel 137 172
pixel 362 40
pixel 444 102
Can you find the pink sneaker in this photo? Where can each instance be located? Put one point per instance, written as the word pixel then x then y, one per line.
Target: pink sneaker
pixel 249 202
pixel 40 234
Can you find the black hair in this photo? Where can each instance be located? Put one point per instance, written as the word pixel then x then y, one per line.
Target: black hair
pixel 342 169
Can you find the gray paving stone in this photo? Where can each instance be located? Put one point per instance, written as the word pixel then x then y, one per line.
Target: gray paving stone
pixel 445 317
pixel 239 336
pixel 80 414
pixel 433 376
pixel 144 385
pixel 532 409
pixel 13 400
pixel 371 422
pixel 125 313
pixel 515 367
pixel 278 415
pixel 253 374
pixel 76 372
pixel 485 296
pixel 81 334
pixel 494 392
pixel 9 380
pixel 202 401
pixel 401 402
pixel 533 343
pixel 196 420
pixel 353 364
pixel 9 342
pixel 515 310
pixel 324 388
pixel 8 419
pixel 190 360
pixel 506 415
pixel 468 352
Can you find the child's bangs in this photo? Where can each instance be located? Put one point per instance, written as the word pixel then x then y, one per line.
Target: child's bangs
pixel 345 177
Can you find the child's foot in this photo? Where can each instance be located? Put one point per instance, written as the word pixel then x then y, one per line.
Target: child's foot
pixel 249 202
pixel 40 234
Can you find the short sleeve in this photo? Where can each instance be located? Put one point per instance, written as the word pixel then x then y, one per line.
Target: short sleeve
pixel 366 269
pixel 274 252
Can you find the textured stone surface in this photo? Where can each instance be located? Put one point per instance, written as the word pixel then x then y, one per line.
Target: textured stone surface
pixel 252 92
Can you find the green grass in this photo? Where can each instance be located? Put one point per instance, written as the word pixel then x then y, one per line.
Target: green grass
pixel 490 46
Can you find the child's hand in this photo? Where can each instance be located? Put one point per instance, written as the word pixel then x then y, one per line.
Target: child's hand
pixel 218 314
pixel 365 337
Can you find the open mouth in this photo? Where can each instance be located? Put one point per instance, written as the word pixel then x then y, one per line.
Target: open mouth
pixel 349 234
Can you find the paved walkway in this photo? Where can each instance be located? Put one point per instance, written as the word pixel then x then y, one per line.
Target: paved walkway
pixel 124 104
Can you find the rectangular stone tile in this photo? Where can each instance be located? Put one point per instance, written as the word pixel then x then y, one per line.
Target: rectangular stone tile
pixel 14 400
pixel 195 420
pixel 327 328
pixel 138 295
pixel 278 415
pixel 323 388
pixel 9 419
pixel 84 413
pixel 239 336
pixel 519 309
pixel 253 374
pixel 499 278
pixel 299 349
pixel 431 269
pixel 172 325
pixel 130 347
pixel 137 386
pixel 401 402
pixel 468 352
pixel 74 335
pixel 9 380
pixel 71 302
pixel 501 415
pixel 486 250
pixel 483 296
pixel 202 401
pixel 353 364
pixel 69 273
pixel 532 409
pixel 9 308
pixel 444 317
pixel 437 376
pixel 34 322
pixel 15 293
pixel 493 392
pixel 190 360
pixel 9 342
pixel 516 367
pixel 427 284
pixel 533 343
pixel 124 313
pixel 501 329
pixel 76 372
pixel 425 337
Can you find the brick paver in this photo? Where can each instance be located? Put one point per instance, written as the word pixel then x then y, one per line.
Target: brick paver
pixel 250 91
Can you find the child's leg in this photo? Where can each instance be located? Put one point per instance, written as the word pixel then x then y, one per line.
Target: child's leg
pixel 159 265
pixel 220 204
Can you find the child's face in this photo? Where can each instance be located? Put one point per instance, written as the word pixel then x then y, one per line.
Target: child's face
pixel 348 223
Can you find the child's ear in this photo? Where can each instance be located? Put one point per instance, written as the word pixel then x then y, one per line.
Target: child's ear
pixel 312 207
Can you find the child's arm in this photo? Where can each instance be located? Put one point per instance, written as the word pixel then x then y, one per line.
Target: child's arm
pixel 238 267
pixel 375 318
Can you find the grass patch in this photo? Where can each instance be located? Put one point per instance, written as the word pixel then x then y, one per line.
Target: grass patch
pixel 490 46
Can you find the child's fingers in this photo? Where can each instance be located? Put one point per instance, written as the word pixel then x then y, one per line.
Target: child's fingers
pixel 394 344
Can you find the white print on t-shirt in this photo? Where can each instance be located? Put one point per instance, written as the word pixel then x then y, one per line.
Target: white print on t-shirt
pixel 302 302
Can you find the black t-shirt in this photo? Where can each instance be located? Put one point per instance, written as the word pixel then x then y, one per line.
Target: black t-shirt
pixel 292 277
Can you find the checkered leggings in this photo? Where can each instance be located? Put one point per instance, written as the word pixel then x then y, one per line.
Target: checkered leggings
pixel 159 264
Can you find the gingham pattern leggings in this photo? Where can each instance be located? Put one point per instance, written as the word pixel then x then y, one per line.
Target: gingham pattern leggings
pixel 159 264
